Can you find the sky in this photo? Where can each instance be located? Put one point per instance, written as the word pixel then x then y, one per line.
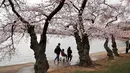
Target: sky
pixel 40 1
pixel 113 1
pixel 35 1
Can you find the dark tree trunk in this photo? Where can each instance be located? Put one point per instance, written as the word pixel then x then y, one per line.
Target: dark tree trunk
pixel 83 50
pixel 85 59
pixel 127 46
pixel 82 39
pixel 109 51
pixel 114 46
pixel 41 65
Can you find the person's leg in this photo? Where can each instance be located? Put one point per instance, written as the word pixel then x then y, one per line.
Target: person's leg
pixel 67 57
pixel 127 49
pixel 58 55
pixel 70 57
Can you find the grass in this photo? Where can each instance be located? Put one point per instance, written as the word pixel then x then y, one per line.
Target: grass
pixel 118 66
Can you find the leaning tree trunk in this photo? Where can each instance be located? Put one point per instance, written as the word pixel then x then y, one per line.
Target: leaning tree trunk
pixel 109 51
pixel 114 46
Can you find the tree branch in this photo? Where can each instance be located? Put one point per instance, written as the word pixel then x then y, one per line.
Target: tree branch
pixel 104 2
pixel 48 19
pixel 51 15
pixel 83 5
pixel 116 18
pixel 2 3
pixel 30 28
pixel 17 3
pixel 81 26
pixel 12 33
pixel 74 6
pixel 18 15
pixel 92 20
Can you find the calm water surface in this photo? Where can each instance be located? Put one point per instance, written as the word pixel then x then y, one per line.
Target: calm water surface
pixel 24 54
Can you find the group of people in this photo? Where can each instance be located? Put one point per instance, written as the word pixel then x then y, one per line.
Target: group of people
pixel 59 51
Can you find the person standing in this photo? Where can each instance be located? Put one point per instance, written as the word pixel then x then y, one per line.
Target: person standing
pixel 57 51
pixel 69 54
pixel 127 46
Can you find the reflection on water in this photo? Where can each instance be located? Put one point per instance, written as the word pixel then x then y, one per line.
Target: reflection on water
pixel 24 54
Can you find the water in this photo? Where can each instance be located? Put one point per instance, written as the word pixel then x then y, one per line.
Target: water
pixel 24 54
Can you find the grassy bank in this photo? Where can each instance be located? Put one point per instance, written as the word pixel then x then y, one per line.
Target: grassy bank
pixel 119 65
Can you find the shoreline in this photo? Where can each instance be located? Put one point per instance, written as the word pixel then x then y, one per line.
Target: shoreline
pixel 95 54
pixel 15 68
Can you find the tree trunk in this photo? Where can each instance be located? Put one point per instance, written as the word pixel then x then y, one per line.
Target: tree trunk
pixel 83 50
pixel 109 51
pixel 114 46
pixel 41 65
pixel 82 39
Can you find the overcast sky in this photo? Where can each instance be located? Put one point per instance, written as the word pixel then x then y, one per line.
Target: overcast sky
pixel 39 1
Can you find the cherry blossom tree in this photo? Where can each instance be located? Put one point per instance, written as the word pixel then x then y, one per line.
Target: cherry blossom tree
pixel 81 36
pixel 103 15
pixel 39 48
pixel 82 19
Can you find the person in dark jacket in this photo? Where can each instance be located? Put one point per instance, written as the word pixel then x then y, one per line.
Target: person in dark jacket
pixel 57 51
pixel 127 46
pixel 69 54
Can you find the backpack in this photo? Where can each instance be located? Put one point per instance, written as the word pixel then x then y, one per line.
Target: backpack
pixel 55 51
